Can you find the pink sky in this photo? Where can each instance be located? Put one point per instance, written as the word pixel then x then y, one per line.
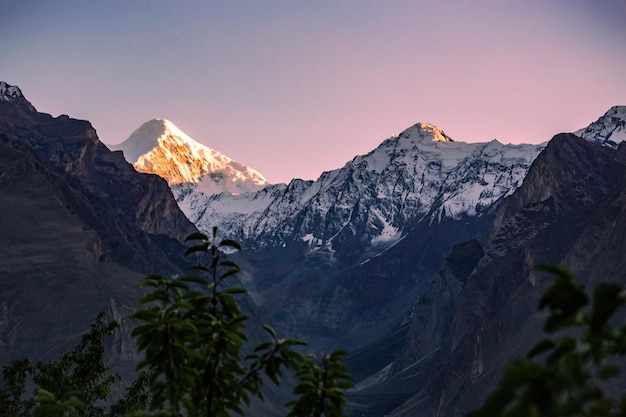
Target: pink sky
pixel 293 88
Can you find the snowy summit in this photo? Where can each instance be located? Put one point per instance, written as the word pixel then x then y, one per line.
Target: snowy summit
pixel 425 132
pixel 159 147
pixel 609 129
pixel 418 175
pixel 10 92
pixel 13 93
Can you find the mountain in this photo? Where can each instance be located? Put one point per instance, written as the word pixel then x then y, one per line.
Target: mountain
pixel 318 252
pixel 340 261
pixel 418 180
pixel 609 129
pixel 421 174
pixel 13 94
pixel 159 147
pixel 80 230
pixel 417 257
pixel 480 309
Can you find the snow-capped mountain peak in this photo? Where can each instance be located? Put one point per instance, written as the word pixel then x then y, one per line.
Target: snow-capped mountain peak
pixel 13 93
pixel 147 137
pixel 609 129
pixel 425 132
pixel 375 199
pixel 10 92
pixel 159 147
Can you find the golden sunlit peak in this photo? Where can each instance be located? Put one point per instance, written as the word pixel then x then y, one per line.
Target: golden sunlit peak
pixel 427 132
pixel 159 147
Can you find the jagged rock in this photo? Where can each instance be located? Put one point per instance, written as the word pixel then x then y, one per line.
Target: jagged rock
pixel 481 308
pixel 346 255
pixel 608 130
pixel 80 229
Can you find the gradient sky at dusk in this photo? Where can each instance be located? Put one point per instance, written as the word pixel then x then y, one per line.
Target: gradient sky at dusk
pixel 293 88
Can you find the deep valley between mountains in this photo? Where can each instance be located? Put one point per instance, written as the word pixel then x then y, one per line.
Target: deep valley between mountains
pixel 418 258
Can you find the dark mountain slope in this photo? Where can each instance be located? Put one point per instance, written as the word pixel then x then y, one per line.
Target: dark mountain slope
pixel 80 228
pixel 481 308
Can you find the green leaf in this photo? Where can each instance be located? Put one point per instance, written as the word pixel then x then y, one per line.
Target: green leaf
pixel 197 248
pixel 230 243
pixel 194 279
pixel 545 344
pixel 270 330
pixel 196 236
pixel 229 273
pixel 607 298
pixel 235 290
pixel 608 372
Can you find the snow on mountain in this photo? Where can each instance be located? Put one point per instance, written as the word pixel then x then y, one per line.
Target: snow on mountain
pixel 159 147
pixel 372 202
pixel 419 174
pixel 609 129
pixel 13 93
pixel 9 92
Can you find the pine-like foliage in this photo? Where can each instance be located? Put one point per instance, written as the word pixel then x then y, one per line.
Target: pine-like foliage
pixel 191 333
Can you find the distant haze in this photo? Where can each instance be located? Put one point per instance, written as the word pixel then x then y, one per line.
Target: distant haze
pixel 293 88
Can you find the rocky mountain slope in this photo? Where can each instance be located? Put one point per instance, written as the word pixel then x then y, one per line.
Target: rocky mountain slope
pixel 420 174
pixel 418 257
pixel 480 310
pixel 80 229
pixel 349 224
pixel 608 130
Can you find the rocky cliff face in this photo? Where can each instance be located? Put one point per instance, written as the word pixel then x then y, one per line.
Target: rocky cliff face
pixel 480 310
pixel 80 229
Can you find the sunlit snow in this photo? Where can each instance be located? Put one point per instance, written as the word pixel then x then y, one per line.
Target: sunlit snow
pixel 159 147
pixel 418 174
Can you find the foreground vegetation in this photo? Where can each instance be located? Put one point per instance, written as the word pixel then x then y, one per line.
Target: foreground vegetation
pixel 568 373
pixel 192 336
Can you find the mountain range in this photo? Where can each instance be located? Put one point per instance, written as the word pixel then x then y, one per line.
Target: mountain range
pixel 481 308
pixel 420 173
pixel 417 257
pixel 363 257
pixel 350 223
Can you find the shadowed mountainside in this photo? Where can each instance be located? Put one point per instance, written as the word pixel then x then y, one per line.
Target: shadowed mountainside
pixel 480 310
pixel 80 229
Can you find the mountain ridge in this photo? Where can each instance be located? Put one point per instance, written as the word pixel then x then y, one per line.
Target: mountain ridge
pixel 481 308
pixel 608 130
pixel 351 222
pixel 419 167
pixel 12 93
pixel 421 248
pixel 159 147
pixel 80 229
